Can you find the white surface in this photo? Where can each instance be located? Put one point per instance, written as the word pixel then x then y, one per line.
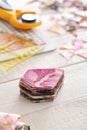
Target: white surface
pixel 69 109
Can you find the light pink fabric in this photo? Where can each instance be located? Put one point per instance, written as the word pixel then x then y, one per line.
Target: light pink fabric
pixel 77 47
pixel 8 121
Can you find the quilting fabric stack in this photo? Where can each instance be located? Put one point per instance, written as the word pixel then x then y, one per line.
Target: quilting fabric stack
pixel 41 84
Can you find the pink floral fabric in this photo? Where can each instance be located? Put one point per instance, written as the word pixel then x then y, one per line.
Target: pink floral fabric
pixel 8 121
pixel 77 47
pixel 42 78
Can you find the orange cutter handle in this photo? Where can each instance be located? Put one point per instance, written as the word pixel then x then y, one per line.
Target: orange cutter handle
pixel 13 16
pixel 5 14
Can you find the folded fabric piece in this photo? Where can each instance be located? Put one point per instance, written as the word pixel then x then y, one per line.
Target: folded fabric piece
pixel 67 54
pixel 41 84
pixel 82 53
pixel 10 121
pixel 76 47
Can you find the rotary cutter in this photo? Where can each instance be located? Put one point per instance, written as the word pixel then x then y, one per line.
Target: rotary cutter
pixel 19 18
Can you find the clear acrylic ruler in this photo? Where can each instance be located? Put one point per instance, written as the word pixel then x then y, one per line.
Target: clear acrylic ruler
pixel 15 49
pixel 20 58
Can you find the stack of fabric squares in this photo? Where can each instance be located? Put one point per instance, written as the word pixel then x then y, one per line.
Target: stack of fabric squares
pixel 41 84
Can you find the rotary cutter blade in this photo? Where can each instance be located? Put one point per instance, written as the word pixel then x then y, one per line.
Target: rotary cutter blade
pixel 19 18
